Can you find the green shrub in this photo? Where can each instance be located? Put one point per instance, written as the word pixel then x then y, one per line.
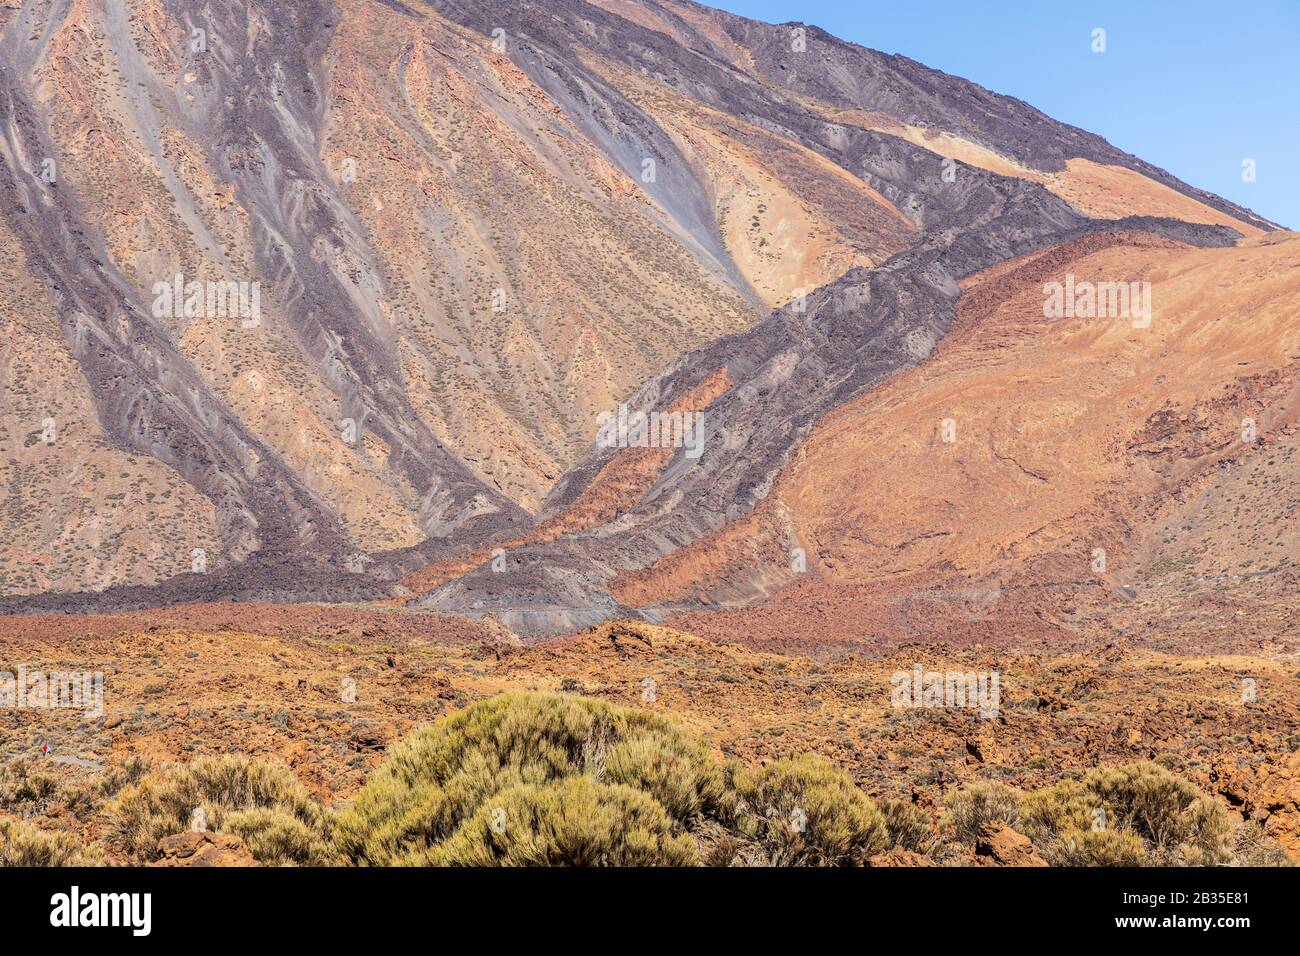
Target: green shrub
pixel 226 789
pixel 441 775
pixel 275 837
pixel 979 803
pixel 805 812
pixel 680 774
pixel 572 822
pixel 22 844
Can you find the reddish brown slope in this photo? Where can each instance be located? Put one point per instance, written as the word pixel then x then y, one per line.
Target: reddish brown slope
pixel 1071 435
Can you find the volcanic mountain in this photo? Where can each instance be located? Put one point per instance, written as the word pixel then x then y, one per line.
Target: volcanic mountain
pixel 328 301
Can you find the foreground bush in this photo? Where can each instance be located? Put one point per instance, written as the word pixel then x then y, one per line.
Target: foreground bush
pixel 572 822
pixel 24 787
pixel 276 837
pixel 1128 816
pixel 437 779
pixel 543 779
pixel 979 803
pixel 262 802
pixel 438 796
pixel 22 844
pixel 1097 848
pixel 132 770
pixel 550 780
pixel 805 812
pixel 1180 822
pixel 907 825
pixel 1252 848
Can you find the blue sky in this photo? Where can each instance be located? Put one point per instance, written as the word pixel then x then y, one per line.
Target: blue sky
pixel 1193 86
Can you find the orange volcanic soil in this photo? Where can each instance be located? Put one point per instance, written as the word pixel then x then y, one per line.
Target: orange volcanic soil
pixel 1071 435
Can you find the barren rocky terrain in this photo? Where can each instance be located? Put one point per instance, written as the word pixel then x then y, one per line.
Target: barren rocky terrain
pixel 259 682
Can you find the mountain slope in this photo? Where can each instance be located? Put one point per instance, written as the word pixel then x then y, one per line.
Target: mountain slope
pixel 1069 435
pixel 474 228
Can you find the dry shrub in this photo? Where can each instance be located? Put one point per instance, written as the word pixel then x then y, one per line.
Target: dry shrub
pixel 1150 800
pixel 442 775
pixel 22 844
pixel 261 801
pixel 275 837
pixel 805 812
pixel 1099 848
pixel 130 771
pixel 1252 848
pixel 908 825
pixel 25 788
pixel 576 821
pixel 985 801
pixel 1128 816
